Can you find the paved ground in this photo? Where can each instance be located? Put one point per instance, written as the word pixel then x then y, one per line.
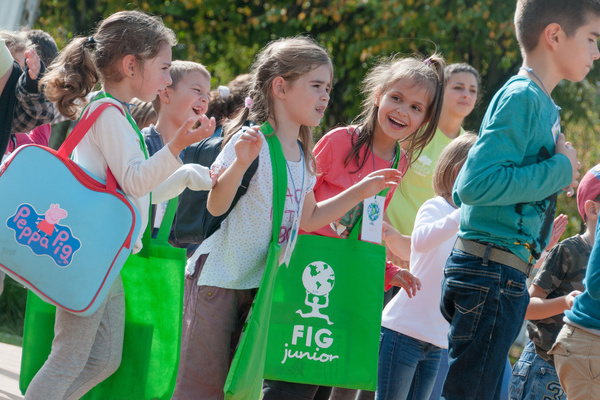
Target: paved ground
pixel 10 364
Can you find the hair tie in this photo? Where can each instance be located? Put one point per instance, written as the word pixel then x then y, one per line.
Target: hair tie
pixel 248 102
pixel 427 61
pixel 91 43
pixel 224 91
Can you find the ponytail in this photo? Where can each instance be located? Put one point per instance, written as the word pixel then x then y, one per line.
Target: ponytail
pixel 71 77
pixel 86 61
pixel 423 136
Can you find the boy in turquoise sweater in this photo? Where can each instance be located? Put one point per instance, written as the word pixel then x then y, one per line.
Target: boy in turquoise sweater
pixel 507 192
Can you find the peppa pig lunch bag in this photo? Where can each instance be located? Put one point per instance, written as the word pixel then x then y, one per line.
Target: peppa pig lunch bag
pixel 64 234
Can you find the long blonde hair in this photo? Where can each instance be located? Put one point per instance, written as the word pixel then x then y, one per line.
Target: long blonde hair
pixel 288 58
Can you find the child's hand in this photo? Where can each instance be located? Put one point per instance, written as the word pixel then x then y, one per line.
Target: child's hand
pixel 564 147
pixel 406 281
pixel 214 177
pixel 186 136
pixel 376 181
pixel 558 227
pixel 570 298
pixel 248 146
pixel 34 63
pixel 396 243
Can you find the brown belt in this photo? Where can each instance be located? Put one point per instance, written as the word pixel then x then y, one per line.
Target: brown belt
pixel 493 254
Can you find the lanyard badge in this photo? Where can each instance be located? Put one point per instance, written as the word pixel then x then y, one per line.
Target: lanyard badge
pixel 372 221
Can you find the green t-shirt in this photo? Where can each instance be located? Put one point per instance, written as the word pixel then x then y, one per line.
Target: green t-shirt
pixel 416 186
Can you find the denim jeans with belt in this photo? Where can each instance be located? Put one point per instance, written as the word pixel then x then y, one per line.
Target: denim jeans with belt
pixel 485 303
pixel 534 378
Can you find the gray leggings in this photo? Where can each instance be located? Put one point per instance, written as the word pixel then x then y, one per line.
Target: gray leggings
pixel 85 350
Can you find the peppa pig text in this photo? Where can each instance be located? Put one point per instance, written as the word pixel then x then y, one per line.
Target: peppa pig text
pixel 43 235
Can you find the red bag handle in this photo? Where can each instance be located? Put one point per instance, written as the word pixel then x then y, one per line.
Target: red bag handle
pixel 80 130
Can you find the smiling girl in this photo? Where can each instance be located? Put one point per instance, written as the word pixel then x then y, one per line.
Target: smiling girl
pixel 401 108
pixel 291 82
pixel 460 96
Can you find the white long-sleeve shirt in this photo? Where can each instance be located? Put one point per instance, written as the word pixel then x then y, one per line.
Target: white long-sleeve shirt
pixel 433 237
pixel 112 142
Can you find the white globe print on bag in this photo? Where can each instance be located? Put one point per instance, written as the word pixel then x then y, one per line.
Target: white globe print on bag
pixel 318 278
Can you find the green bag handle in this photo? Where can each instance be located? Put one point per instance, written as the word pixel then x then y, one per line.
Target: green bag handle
pixel 354 233
pixel 279 178
pixel 162 236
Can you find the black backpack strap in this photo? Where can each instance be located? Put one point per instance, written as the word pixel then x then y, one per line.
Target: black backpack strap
pixel 193 223
pixel 242 189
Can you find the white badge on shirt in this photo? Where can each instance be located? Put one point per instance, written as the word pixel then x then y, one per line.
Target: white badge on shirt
pixel 161 209
pixel 291 242
pixel 372 221
pixel 556 129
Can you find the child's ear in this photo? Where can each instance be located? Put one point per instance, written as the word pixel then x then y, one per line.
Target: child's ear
pixel 164 96
pixel 279 87
pixel 377 96
pixel 591 209
pixel 129 65
pixel 553 35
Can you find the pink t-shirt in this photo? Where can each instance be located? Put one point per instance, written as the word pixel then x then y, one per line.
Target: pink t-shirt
pixel 334 176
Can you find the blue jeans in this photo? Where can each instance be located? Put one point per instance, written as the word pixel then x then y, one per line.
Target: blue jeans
pixel 436 394
pixel 534 378
pixel 485 303
pixel 407 367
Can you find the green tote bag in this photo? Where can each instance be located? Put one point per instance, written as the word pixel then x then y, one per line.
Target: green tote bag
pixel 326 313
pixel 244 381
pixel 153 282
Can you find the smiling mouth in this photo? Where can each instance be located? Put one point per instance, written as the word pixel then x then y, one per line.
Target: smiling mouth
pixel 321 110
pixel 397 123
pixel 197 110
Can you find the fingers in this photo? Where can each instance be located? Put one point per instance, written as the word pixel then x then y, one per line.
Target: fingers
pixel 206 128
pixel 252 135
pixel 33 63
pixel 560 223
pixel 187 125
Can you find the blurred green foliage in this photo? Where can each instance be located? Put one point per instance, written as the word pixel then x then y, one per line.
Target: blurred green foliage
pixel 225 35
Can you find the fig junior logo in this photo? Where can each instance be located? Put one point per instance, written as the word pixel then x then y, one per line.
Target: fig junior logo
pixel 43 234
pixel 373 211
pixel 318 279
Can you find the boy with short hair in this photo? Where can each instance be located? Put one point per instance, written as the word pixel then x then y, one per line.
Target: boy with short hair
pixel 558 282
pixel 186 97
pixel 507 192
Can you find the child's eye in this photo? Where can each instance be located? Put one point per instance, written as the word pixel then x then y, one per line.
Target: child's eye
pixel 396 98
pixel 417 108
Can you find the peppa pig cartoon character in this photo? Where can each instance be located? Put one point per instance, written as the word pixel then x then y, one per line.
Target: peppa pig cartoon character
pixel 51 218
